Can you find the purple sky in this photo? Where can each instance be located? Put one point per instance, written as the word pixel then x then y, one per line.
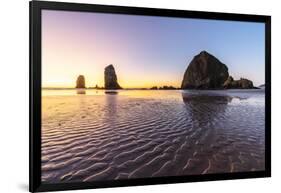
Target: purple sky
pixel 145 50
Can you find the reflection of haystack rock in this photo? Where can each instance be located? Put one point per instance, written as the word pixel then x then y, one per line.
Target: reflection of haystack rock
pixel 242 83
pixel 205 109
pixel 204 72
pixel 80 82
pixel 110 78
pixel 205 99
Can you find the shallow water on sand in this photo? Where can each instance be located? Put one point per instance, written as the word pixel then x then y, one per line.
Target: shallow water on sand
pixel 95 136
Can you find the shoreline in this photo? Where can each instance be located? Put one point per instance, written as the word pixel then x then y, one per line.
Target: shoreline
pixel 255 88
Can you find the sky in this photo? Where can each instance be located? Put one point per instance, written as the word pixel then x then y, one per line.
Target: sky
pixel 146 51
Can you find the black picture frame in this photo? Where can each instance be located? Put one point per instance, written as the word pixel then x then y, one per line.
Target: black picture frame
pixel 35 184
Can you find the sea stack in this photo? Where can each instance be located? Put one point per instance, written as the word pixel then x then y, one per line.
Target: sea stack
pixel 205 72
pixel 80 82
pixel 110 78
pixel 243 83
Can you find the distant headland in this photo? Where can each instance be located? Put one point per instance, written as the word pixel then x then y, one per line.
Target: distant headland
pixel 204 72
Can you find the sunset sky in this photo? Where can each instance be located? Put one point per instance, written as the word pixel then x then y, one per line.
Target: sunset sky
pixel 145 51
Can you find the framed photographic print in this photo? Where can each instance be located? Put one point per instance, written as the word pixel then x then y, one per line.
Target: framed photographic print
pixel 124 96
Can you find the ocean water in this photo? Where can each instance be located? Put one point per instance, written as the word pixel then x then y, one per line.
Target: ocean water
pixel 88 135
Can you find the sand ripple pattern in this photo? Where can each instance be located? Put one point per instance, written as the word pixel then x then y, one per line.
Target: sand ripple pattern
pixel 92 138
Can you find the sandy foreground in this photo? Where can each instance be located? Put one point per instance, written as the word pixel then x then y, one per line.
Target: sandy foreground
pixel 92 137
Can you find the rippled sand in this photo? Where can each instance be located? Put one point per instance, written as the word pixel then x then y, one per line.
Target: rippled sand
pixel 136 134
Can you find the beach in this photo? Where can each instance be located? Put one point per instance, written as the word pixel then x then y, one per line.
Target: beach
pixel 93 136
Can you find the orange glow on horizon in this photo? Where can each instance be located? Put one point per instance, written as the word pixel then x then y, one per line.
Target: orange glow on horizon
pixel 60 83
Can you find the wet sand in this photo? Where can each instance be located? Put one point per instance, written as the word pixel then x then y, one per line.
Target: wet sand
pixel 137 134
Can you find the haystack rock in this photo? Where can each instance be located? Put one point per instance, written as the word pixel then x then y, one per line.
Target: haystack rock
pixel 110 78
pixel 80 82
pixel 205 72
pixel 243 83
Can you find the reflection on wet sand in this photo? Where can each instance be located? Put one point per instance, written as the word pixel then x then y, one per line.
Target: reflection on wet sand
pixel 222 134
pixel 112 92
pixel 81 91
pixel 203 109
pixel 150 134
pixel 201 99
